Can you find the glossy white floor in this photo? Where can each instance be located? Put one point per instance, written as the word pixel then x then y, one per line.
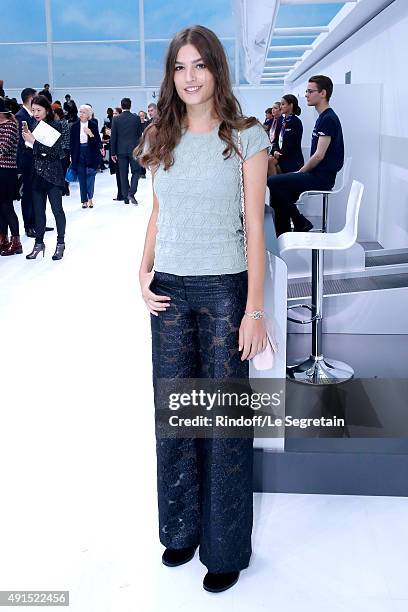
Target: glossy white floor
pixel 77 455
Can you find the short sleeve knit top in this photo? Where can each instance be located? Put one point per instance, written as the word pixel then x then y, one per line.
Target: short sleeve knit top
pixel 199 226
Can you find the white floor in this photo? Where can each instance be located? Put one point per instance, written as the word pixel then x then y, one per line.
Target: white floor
pixel 78 509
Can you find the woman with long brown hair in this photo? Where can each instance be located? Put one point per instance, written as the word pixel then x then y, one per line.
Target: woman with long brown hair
pixel 206 302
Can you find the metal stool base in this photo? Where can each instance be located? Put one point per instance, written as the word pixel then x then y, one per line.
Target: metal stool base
pixel 320 371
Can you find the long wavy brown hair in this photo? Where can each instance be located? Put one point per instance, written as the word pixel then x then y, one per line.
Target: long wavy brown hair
pixel 160 138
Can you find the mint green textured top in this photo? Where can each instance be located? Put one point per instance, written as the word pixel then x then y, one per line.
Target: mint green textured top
pixel 199 222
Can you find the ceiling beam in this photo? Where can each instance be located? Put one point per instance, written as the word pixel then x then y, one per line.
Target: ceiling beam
pixel 317 1
pixel 294 36
pixel 300 31
pixel 272 60
pixel 290 48
pixel 272 68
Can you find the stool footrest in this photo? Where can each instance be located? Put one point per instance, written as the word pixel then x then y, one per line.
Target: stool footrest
pixel 301 321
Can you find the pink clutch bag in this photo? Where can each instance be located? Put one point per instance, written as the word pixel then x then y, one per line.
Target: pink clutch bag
pixel 266 359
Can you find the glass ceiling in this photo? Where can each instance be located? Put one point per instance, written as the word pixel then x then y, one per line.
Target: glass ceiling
pixel 306 15
pixel 99 44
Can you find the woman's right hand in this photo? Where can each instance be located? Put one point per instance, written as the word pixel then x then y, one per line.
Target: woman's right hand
pixel 154 303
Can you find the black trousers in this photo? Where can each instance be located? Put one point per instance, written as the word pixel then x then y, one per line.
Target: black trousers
pixel 27 204
pixel 285 190
pixel 8 217
pixel 54 193
pixel 118 183
pixel 204 484
pixel 124 161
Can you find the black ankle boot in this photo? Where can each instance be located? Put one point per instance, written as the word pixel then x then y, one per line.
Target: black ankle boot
pixel 38 247
pixel 59 251
pixel 177 556
pixel 216 583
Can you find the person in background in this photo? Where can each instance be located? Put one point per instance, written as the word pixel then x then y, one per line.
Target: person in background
pixel 152 111
pixel 109 117
pixel 13 104
pixel 71 110
pixel 145 122
pixel 101 166
pixel 60 117
pixel 86 153
pixel 274 133
pixel 319 172
pixel 2 94
pixel 268 119
pixel 287 153
pixel 8 181
pixel 93 114
pixel 276 121
pixel 46 92
pixel 48 180
pixel 105 137
pixel 126 133
pixel 143 119
pixel 25 161
pixel 113 165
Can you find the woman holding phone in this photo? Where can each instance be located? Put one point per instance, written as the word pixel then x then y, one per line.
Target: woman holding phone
pixel 206 303
pixel 49 179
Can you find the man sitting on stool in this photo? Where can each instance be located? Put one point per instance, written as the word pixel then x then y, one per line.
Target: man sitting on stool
pixel 319 172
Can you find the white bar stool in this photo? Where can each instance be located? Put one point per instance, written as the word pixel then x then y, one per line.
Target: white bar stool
pixel 342 180
pixel 318 370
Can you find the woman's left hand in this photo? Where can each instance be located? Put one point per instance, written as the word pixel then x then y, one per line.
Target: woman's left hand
pixel 88 132
pixel 252 337
pixel 27 136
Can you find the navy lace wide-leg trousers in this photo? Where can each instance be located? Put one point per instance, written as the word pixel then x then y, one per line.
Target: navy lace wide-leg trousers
pixel 204 484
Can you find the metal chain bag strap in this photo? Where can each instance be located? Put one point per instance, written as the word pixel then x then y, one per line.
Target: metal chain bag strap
pixel 266 359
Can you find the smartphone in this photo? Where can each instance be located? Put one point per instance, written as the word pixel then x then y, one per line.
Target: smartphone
pixel 24 126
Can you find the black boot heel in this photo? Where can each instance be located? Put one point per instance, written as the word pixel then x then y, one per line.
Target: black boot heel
pixel 38 247
pixel 59 251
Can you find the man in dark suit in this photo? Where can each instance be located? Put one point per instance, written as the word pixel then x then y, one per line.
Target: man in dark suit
pixel 25 162
pixel 46 92
pixel 125 135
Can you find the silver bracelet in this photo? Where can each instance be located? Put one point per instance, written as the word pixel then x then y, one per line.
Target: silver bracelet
pixel 256 314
